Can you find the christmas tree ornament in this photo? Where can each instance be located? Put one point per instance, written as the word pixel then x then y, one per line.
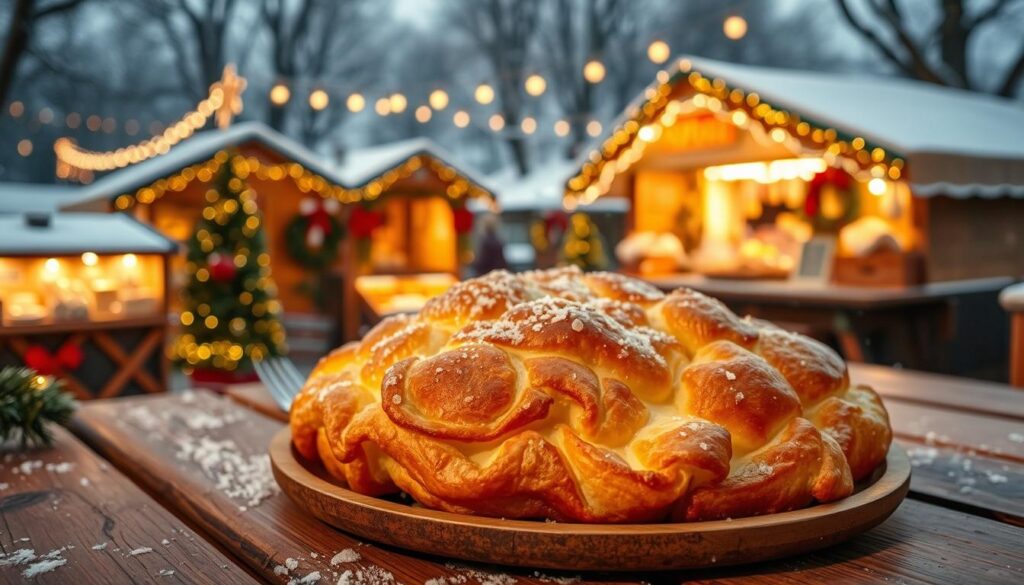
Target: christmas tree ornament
pixel 222 267
pixel 29 402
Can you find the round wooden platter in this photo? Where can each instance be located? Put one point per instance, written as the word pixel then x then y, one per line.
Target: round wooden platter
pixel 585 547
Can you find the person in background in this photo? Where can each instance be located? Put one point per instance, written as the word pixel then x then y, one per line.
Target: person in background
pixel 491 252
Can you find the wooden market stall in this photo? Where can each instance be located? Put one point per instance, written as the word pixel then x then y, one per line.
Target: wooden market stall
pixel 733 169
pixel 85 288
pixel 409 229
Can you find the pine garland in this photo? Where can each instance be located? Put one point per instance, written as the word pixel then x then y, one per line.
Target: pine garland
pixel 28 402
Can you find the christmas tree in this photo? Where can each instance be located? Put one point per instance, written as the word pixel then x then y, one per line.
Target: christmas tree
pixel 230 311
pixel 583 245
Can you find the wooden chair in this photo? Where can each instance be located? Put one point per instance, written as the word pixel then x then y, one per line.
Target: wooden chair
pixel 1012 299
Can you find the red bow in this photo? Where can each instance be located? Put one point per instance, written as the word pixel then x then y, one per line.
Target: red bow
pixel 463 220
pixel 68 357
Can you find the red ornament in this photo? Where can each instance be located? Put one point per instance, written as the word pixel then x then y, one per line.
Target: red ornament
pixel 463 220
pixel 69 357
pixel 362 222
pixel 222 267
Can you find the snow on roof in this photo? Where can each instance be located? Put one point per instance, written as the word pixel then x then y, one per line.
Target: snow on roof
pixel 35 197
pixel 200 147
pixel 542 189
pixel 361 165
pixel 955 142
pixel 74 233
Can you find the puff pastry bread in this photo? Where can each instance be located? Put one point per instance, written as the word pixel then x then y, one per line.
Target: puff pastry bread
pixel 589 398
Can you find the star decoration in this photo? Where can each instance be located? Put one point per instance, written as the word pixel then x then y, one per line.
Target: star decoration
pixel 232 85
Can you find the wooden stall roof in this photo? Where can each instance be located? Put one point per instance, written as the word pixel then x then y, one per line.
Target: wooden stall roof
pixel 363 165
pixel 954 142
pixel 19 198
pixel 75 233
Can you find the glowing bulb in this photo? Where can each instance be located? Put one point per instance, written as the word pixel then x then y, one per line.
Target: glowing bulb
pixel 528 125
pixel 319 99
pixel 90 259
pixel 280 94
pixel 658 51
pixel 496 122
pixel 130 260
pixel 535 85
pixel 438 99
pixel 594 71
pixel 423 114
pixel 593 128
pixel 398 103
pixel 877 187
pixel 647 134
pixel 383 106
pixel 355 102
pixel 51 266
pixel 562 128
pixel 484 94
pixel 735 27
pixel 24 147
pixel 461 118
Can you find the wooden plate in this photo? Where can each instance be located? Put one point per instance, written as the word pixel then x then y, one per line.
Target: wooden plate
pixel 603 547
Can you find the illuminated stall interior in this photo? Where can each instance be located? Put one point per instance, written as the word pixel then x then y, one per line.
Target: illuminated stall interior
pixel 80 268
pixel 409 236
pixel 728 182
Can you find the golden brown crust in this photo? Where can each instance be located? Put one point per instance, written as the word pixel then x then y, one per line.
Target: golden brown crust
pixel 589 398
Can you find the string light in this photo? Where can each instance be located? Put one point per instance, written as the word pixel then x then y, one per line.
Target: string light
pixel 423 114
pixel 398 103
pixel 528 125
pixel 280 94
pixel 223 102
pixel 438 99
pixel 562 128
pixel 319 100
pixel 25 147
pixel 658 52
pixel 594 128
pixel 355 103
pixel 535 85
pixel 382 106
pixel 594 71
pixel 461 119
pixel 16 109
pixel 484 94
pixel 496 122
pixel 735 27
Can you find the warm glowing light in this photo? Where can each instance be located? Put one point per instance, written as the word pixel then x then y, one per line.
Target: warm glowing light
pixel 398 103
pixel 130 260
pixel 594 71
pixel 659 52
pixel 770 172
pixel 535 85
pixel 735 27
pixel 24 147
pixel 528 125
pixel 280 94
pixel 423 114
pixel 355 102
pixel 318 99
pixel 383 106
pixel 90 259
pixel 16 109
pixel 484 94
pixel 593 128
pixel 51 266
pixel 496 122
pixel 877 187
pixel 438 99
pixel 648 133
pixel 461 118
pixel 562 128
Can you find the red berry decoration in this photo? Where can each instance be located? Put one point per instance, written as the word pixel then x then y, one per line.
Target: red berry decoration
pixel 222 267
pixel 362 222
pixel 463 220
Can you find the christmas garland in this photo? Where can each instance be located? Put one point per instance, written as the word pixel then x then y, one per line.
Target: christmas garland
pixel 28 402
pixel 312 237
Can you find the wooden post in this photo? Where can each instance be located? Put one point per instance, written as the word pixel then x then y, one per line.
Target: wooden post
pixel 1012 299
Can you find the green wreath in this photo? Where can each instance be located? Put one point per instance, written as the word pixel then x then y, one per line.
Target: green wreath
pixel 312 258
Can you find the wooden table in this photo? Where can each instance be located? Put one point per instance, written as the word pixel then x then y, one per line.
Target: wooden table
pixel 201 457
pixel 915 317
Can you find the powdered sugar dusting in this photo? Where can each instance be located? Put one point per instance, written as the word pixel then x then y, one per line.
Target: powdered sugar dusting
pixel 236 474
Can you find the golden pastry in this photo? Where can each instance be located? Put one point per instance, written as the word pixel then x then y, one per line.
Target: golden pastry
pixel 589 398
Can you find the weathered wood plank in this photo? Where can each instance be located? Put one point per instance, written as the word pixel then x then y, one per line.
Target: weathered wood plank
pixel 149 437
pixel 73 518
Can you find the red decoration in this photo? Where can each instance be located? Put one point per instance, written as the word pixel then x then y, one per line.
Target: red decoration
pixel 222 267
pixel 463 220
pixel 319 224
pixel 69 357
pixel 362 222
pixel 555 220
pixel 837 178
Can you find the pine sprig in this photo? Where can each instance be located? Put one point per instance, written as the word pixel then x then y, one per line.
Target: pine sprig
pixel 28 402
